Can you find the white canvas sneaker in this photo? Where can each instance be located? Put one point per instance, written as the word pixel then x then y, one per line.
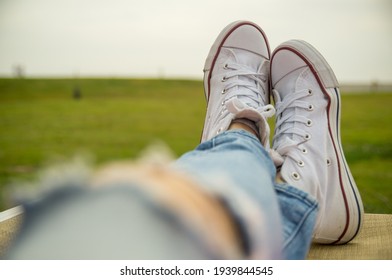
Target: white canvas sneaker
pixel 307 138
pixel 236 80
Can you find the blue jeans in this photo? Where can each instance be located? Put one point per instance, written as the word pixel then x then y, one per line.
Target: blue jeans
pixel 277 220
pixel 121 220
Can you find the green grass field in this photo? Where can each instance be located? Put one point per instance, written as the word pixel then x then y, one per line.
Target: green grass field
pixel 40 121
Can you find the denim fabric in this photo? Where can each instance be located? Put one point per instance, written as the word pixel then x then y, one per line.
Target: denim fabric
pixel 118 222
pixel 299 211
pixel 277 220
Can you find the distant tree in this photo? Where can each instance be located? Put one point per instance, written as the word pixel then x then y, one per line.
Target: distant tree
pixel 19 71
pixel 76 93
pixel 374 86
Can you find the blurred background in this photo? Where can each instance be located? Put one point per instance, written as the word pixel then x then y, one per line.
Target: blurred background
pixel 171 38
pixel 108 78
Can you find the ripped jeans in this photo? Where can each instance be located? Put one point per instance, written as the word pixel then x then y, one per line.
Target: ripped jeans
pixel 125 219
pixel 277 219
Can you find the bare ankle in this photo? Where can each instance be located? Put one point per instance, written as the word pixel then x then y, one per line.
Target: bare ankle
pixel 246 125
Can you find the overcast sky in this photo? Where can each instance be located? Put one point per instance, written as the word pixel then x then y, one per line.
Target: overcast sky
pixel 171 38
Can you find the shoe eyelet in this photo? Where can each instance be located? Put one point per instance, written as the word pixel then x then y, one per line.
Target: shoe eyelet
pixel 224 79
pixel 223 91
pixel 295 176
pixel 310 107
pixel 226 66
pixel 301 163
pixel 309 123
pixel 223 103
pixel 310 92
pixel 329 162
pixel 304 151
pixel 219 131
pixel 307 136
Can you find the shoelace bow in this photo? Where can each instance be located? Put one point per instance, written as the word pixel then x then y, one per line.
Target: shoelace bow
pixel 286 144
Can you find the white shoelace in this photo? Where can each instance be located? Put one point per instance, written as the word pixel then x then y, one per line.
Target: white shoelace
pixel 286 144
pixel 251 80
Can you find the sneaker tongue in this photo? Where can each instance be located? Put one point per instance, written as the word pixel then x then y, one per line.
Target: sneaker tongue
pixel 253 61
pixel 288 85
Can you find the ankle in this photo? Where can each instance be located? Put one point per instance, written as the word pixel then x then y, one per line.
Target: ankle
pixel 279 179
pixel 244 124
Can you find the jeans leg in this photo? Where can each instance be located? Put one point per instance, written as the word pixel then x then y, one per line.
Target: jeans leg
pixel 277 220
pixel 299 211
pixel 235 167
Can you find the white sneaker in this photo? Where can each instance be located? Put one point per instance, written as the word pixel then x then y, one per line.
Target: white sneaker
pixel 307 138
pixel 236 80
